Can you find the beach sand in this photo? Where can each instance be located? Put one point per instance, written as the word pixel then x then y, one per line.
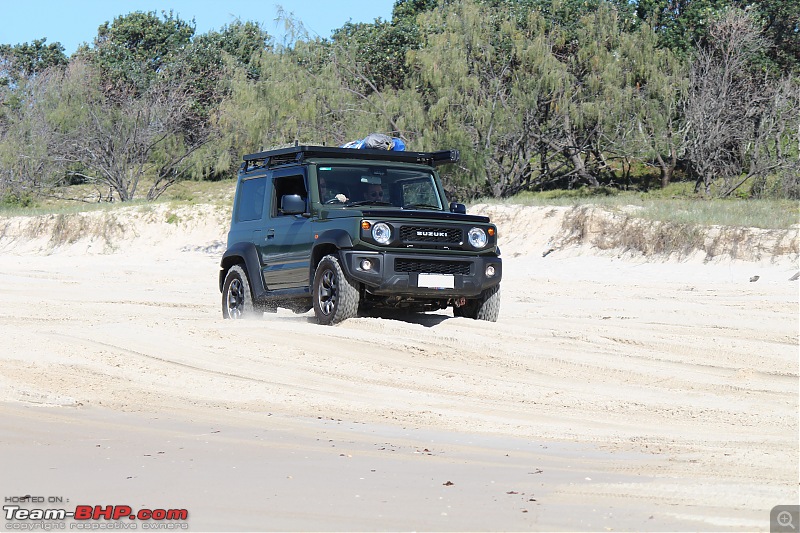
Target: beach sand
pixel 616 392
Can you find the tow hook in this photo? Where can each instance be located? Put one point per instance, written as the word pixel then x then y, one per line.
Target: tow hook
pixel 459 302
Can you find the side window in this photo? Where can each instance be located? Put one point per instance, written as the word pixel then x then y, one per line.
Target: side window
pixel 287 185
pixel 251 199
pixel 420 192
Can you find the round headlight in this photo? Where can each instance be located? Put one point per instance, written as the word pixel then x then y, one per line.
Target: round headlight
pixel 477 237
pixel 382 233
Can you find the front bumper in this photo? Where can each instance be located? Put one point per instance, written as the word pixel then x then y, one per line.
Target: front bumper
pixel 398 274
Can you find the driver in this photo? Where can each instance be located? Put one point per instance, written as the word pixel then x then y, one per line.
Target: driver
pixel 329 195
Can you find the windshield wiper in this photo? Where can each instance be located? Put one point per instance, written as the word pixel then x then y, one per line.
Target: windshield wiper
pixel 421 206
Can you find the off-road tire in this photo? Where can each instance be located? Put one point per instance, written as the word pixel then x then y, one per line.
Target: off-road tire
pixel 334 296
pixel 487 307
pixel 237 299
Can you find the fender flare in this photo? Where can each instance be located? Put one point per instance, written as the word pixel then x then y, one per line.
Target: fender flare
pixel 337 237
pixel 328 242
pixel 244 252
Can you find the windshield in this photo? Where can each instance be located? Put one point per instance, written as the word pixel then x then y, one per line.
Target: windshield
pixel 377 185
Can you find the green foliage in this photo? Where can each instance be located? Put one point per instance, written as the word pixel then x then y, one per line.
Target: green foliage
pixel 406 11
pixel 281 106
pixel 22 61
pixel 478 72
pixel 379 49
pixel 684 24
pixel 680 24
pixel 564 17
pixel 780 23
pixel 588 96
pixel 17 200
pixel 677 189
pixel 132 50
pixel 241 42
pixel 25 167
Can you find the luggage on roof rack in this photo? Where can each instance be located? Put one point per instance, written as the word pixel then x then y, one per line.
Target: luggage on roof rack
pixel 377 141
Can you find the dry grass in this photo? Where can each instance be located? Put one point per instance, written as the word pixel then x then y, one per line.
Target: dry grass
pixel 604 218
pixel 611 229
pixel 83 198
pixel 767 214
pixel 64 229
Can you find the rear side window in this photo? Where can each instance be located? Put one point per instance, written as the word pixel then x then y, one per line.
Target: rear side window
pixel 251 199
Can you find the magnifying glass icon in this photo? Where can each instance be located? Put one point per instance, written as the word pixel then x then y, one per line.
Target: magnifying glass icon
pixel 785 519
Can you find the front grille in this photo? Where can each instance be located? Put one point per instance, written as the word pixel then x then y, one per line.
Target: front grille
pixel 429 266
pixel 430 234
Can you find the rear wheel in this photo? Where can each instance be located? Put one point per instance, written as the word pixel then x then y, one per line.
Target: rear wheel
pixel 486 307
pixel 237 300
pixel 335 297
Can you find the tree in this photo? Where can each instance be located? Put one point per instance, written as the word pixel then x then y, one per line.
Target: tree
pixel 26 60
pixel 772 143
pixel 131 51
pixel 658 81
pixel 680 24
pixel 738 119
pixel 120 138
pixel 780 25
pixel 476 72
pixel 211 65
pixel 241 42
pixel 27 168
pixel 289 101
pixel 379 49
pixel 25 72
pixel 144 59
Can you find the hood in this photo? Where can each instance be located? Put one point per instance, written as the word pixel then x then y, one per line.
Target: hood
pixel 393 212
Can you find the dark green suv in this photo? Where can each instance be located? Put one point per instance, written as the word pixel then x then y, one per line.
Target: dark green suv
pixel 345 230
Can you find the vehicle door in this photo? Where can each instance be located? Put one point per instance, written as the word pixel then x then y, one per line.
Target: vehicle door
pixel 287 242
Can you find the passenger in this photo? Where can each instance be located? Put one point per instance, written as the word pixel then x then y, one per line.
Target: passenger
pixel 374 193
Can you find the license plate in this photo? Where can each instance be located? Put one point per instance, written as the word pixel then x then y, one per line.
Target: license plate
pixel 436 281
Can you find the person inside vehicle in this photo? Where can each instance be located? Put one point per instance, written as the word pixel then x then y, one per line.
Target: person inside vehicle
pixel 374 193
pixel 327 195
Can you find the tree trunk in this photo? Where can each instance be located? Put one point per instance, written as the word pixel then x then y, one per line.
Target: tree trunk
pixel 667 168
pixel 580 168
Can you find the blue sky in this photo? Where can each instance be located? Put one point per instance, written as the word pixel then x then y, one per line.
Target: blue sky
pixel 72 22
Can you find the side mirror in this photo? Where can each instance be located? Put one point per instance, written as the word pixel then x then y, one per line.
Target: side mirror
pixel 292 204
pixel 456 207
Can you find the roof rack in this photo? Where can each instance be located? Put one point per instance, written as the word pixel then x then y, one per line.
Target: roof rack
pixel 298 154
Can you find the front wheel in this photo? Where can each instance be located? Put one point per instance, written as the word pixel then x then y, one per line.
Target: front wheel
pixel 237 300
pixel 486 307
pixel 335 297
